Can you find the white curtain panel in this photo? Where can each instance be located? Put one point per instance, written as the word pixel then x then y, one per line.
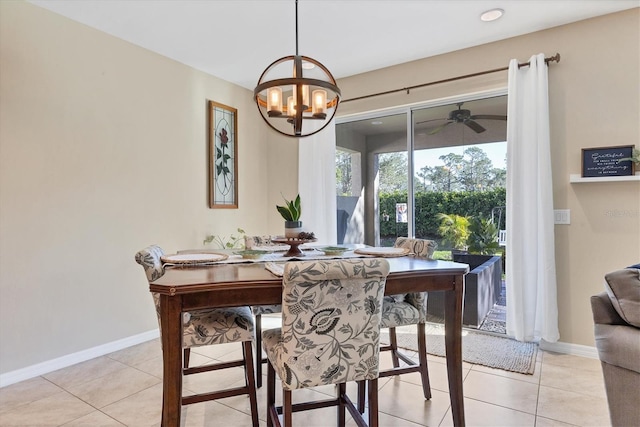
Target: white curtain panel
pixel 532 308
pixel 317 183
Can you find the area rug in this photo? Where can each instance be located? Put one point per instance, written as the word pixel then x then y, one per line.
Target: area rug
pixel 477 347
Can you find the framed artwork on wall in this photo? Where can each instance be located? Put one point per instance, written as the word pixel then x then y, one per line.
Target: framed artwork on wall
pixel 607 161
pixel 223 156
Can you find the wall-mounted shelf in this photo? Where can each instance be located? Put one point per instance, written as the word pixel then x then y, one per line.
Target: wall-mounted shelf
pixel 576 178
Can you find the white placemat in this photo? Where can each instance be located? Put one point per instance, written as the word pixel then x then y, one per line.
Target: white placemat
pixel 193 258
pixel 383 251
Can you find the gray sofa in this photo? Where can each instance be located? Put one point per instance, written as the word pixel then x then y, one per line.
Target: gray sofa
pixel 616 314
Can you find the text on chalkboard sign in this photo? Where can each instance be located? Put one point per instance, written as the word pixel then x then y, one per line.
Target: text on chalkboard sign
pixel 606 161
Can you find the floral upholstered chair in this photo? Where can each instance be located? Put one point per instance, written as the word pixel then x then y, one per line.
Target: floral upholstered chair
pixel 408 309
pixel 208 327
pixel 330 333
pixel 251 242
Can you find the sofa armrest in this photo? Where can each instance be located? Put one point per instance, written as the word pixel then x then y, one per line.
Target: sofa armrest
pixel 603 311
pixel 619 345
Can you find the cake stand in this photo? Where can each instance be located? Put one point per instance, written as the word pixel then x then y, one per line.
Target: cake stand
pixel 294 243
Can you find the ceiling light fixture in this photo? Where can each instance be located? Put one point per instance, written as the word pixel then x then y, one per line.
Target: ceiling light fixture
pixel 491 15
pixel 315 90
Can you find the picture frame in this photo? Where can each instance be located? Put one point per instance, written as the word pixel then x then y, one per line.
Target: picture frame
pixel 223 156
pixel 604 161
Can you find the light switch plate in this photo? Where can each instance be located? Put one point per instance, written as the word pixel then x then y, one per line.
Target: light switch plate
pixel 562 216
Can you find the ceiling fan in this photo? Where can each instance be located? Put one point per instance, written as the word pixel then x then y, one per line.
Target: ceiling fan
pixel 465 117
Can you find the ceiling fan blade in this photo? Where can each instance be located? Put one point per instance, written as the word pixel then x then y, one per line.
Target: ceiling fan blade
pixel 487 117
pixel 438 129
pixel 474 126
pixel 430 120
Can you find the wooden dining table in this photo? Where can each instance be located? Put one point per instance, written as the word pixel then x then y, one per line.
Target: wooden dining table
pixel 229 285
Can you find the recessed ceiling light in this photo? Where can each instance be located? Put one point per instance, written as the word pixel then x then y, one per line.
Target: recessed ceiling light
pixel 376 122
pixel 491 15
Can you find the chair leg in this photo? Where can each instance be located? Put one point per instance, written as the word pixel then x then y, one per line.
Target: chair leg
pixel 272 414
pixel 342 390
pixel 361 395
pixel 394 347
pixel 259 350
pixel 372 386
pixel 287 409
pixel 422 360
pixel 187 353
pixel 250 381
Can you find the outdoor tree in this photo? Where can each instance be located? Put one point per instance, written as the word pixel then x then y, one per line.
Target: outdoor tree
pixel 498 178
pixel 443 179
pixel 447 177
pixel 423 179
pixel 471 171
pixel 475 174
pixel 343 173
pixel 392 168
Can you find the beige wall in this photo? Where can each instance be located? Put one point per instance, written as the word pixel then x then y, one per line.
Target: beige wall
pixel 102 152
pixel 594 101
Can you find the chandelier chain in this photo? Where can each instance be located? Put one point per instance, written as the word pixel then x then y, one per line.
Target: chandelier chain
pixel 297 28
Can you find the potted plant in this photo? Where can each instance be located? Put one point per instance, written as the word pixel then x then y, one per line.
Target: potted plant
pixel 483 237
pixel 455 231
pixel 291 212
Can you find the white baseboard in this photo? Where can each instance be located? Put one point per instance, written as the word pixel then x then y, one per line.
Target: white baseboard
pixel 91 353
pixel 568 348
pixel 71 359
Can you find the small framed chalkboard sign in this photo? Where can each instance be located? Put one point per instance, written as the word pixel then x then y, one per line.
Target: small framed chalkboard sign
pixel 604 161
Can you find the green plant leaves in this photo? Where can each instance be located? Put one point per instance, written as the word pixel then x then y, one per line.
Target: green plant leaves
pixel 292 210
pixel 483 238
pixel 286 214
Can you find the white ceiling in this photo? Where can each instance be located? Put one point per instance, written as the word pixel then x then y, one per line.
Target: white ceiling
pixel 237 39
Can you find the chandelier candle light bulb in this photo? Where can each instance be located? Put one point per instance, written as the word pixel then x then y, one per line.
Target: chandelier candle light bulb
pixel 274 95
pixel 291 108
pixel 305 96
pixel 319 103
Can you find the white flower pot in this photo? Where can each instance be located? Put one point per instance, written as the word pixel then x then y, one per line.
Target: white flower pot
pixel 292 228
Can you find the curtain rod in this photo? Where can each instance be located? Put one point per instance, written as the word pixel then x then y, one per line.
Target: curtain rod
pixel 554 58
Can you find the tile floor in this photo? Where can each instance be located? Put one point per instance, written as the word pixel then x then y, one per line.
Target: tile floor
pixel 124 388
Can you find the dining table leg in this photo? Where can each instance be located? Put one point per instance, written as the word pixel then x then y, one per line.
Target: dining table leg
pixel 171 335
pixel 453 345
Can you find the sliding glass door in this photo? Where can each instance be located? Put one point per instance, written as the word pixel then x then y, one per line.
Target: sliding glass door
pixel 399 172
pixel 371 160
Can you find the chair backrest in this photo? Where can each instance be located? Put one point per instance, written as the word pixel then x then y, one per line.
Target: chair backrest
pixel 331 314
pixel 424 249
pixel 149 259
pixel 502 238
pixel 421 247
pixel 252 241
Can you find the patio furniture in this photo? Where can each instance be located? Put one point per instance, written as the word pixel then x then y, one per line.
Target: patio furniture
pixel 483 286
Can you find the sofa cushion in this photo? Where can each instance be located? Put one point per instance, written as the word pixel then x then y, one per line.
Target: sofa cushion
pixel 623 287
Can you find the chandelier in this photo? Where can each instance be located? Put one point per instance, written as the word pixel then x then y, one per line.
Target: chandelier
pixel 310 90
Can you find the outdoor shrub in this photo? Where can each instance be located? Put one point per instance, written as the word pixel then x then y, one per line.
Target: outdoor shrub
pixel 429 204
